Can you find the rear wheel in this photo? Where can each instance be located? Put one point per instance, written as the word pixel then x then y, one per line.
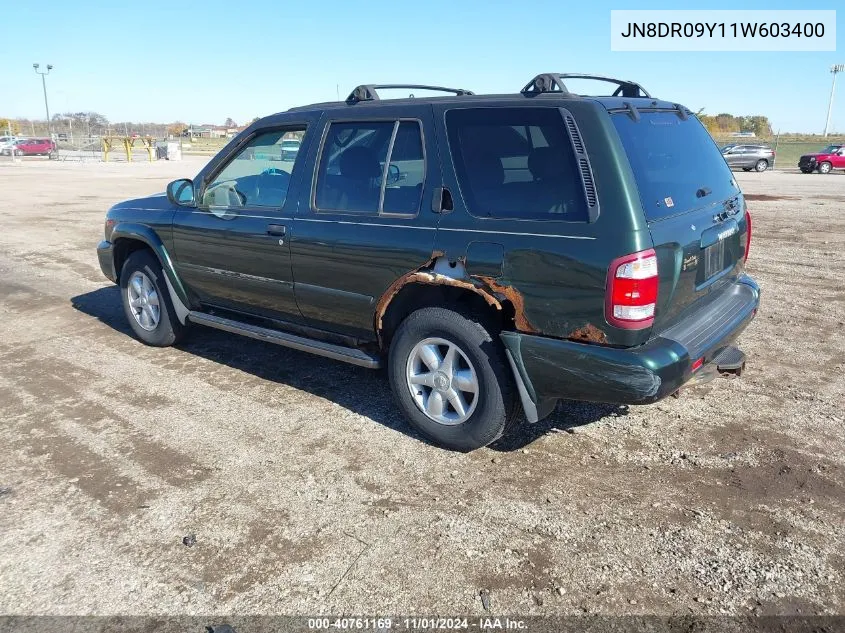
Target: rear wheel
pixel 825 167
pixel 146 301
pixel 761 165
pixel 451 378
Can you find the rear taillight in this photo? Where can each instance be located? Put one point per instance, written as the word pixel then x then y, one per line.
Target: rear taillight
pixel 747 233
pixel 631 293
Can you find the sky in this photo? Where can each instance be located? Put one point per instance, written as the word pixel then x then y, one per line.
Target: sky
pixel 201 62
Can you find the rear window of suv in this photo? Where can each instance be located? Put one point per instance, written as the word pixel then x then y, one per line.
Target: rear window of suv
pixel 676 164
pixel 516 163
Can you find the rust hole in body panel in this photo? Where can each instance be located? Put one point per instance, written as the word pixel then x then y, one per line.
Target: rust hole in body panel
pixel 425 275
pixel 589 333
pixel 488 288
pixel 515 297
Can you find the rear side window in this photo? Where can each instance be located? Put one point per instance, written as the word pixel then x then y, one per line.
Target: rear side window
pixel 516 163
pixel 676 164
pixel 371 167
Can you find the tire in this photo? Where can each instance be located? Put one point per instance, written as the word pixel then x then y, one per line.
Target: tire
pixel 746 169
pixel 164 330
pixel 825 167
pixel 479 355
pixel 761 165
pixel 806 171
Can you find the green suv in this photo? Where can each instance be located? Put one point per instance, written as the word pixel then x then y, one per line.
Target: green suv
pixel 492 251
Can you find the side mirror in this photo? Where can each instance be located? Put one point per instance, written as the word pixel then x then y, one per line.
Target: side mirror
pixel 181 192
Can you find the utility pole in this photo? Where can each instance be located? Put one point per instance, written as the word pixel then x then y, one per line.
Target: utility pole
pixel 838 68
pixel 44 85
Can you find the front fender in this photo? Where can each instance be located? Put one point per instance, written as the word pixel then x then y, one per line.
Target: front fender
pixel 143 233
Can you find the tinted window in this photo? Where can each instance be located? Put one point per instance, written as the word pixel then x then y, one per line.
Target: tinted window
pixel 351 166
pixel 406 173
pixel 672 160
pixel 256 177
pixel 351 172
pixel 516 163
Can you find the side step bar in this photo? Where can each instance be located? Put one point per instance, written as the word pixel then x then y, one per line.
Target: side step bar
pixel 320 348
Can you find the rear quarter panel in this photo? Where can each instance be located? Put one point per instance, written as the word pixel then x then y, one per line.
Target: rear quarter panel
pixel 555 272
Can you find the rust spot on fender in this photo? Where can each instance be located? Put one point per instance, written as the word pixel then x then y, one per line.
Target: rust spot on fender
pixel 515 297
pixel 425 275
pixel 589 333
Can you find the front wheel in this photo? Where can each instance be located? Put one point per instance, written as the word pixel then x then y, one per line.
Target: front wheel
pixel 804 170
pixel 146 301
pixel 825 167
pixel 761 165
pixel 451 379
pixel 746 169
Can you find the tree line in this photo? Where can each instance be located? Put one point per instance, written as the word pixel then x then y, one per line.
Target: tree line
pixel 724 124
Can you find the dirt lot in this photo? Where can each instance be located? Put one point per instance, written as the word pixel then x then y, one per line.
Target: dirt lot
pixel 307 493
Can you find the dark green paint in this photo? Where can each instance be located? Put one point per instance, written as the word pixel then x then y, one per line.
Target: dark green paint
pixel 330 270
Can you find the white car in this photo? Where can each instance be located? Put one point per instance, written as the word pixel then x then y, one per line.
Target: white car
pixel 6 142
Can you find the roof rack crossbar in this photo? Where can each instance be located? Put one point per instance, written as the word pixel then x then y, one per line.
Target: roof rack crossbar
pixel 553 82
pixel 367 92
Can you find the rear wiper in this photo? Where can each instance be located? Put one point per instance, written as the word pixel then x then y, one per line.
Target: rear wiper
pixel 704 191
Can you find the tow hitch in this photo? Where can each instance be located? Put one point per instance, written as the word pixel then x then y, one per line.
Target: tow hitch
pixel 731 360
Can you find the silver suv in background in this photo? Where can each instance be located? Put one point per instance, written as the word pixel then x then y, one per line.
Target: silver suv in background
pixel 748 157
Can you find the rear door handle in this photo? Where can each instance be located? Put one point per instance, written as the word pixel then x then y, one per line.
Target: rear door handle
pixel 276 229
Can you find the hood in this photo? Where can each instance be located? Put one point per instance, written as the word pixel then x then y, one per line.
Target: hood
pixel 154 202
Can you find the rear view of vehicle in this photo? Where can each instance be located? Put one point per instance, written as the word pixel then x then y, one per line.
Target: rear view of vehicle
pixel 691 287
pixel 673 251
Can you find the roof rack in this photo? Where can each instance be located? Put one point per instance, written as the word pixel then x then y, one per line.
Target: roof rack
pixel 553 82
pixel 367 92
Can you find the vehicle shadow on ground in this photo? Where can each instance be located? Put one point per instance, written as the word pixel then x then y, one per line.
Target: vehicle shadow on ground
pixel 362 391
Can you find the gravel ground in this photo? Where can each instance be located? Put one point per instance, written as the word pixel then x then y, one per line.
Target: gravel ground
pixel 300 490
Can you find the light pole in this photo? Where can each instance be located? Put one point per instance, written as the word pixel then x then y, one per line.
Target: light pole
pixel 838 68
pixel 44 85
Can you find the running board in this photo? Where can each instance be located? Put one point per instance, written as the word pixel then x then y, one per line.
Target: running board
pixel 320 348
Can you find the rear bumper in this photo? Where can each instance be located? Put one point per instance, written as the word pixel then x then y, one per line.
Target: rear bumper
pixel 550 369
pixel 105 253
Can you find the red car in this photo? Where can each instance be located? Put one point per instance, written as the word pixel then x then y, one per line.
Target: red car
pixel 830 158
pixel 32 147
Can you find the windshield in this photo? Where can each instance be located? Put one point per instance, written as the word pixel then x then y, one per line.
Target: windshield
pixel 830 149
pixel 677 165
pixel 290 143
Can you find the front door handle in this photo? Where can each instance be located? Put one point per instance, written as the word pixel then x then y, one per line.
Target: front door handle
pixel 276 229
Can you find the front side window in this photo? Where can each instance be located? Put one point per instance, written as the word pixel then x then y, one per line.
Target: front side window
pixel 371 167
pixel 258 176
pixel 516 163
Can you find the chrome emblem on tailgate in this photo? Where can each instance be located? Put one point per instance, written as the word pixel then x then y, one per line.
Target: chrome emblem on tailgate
pixel 689 262
pixel 727 233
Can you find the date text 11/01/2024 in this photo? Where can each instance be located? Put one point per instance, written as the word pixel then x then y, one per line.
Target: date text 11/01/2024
pixel 722 29
pixel 417 624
